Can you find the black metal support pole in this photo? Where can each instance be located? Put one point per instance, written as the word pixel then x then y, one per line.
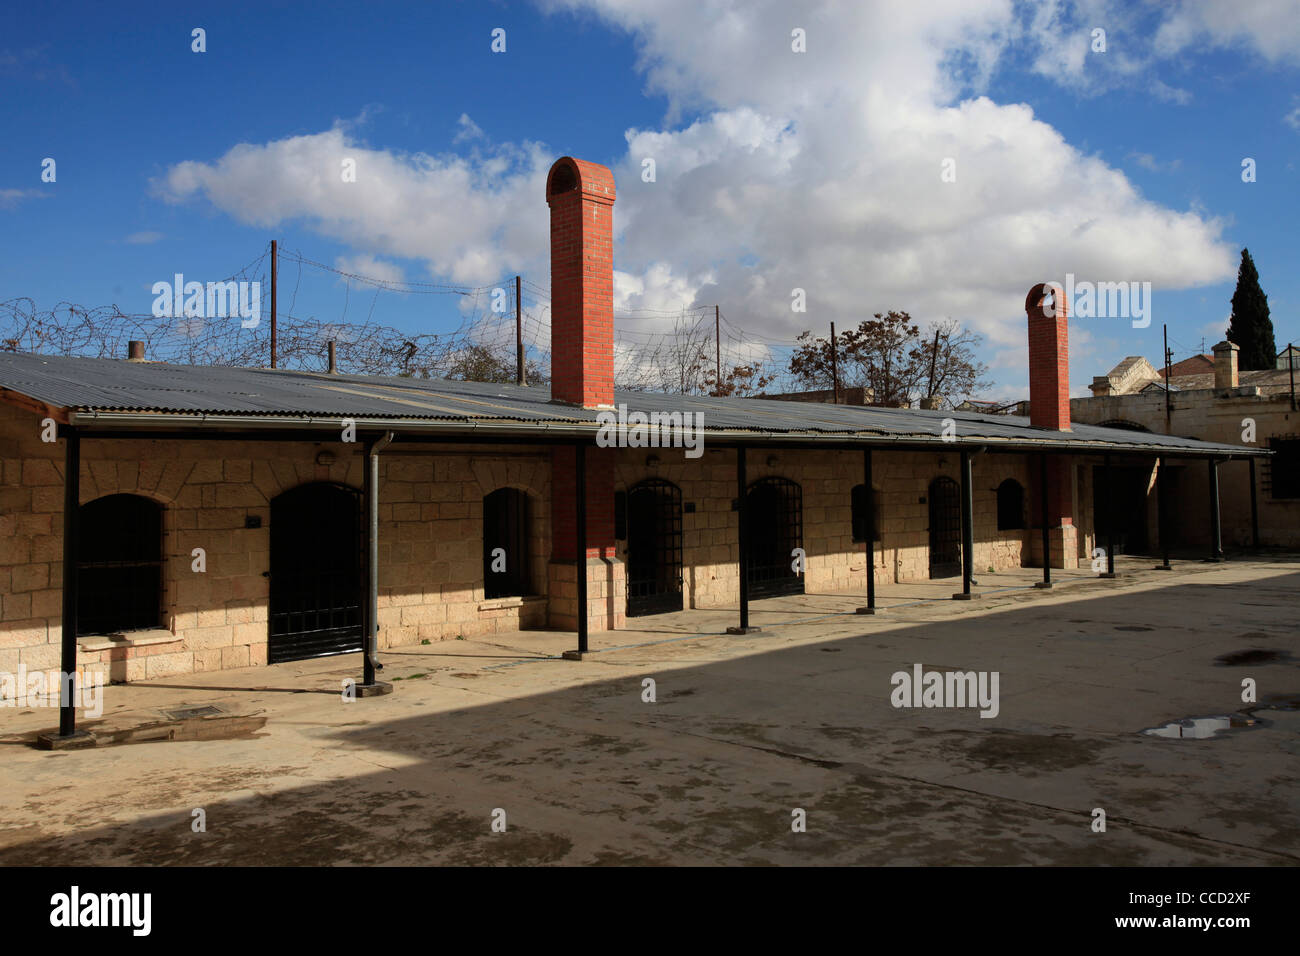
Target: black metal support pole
pixel 1162 514
pixel 1216 532
pixel 371 489
pixel 580 565
pixel 742 488
pixel 967 529
pixel 871 533
pixel 1043 517
pixel 1254 507
pixel 1108 501
pixel 68 622
pixel 370 685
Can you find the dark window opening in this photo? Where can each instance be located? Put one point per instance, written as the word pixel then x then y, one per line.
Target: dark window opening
pixel 774 523
pixel 1011 506
pixel 945 528
pixel 654 548
pixel 505 544
pixel 119 565
pixel 1284 467
pixel 318 575
pixel 860 500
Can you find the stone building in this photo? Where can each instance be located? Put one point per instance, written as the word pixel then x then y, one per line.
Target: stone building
pixel 161 520
pixel 1208 398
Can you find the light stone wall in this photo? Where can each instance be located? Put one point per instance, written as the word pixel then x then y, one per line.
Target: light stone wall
pixel 710 548
pixel 1215 416
pixel 430 551
pixel 430 536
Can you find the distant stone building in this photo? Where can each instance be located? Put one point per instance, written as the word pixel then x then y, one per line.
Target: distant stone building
pixel 1210 399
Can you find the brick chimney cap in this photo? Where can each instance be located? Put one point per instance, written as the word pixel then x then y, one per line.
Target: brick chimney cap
pixel 594 181
pixel 1227 346
pixel 1034 301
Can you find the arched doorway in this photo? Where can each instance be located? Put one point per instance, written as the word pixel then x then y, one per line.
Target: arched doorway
pixel 775 528
pixel 945 528
pixel 654 548
pixel 317 576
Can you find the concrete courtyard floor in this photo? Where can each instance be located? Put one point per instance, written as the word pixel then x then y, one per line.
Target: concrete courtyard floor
pixel 744 730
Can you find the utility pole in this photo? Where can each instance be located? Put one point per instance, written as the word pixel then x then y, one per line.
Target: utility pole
pixel 275 263
pixel 1290 364
pixel 835 367
pixel 934 356
pixel 1169 413
pixel 520 374
pixel 717 351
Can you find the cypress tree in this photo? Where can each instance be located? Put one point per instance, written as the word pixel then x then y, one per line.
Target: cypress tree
pixel 1250 327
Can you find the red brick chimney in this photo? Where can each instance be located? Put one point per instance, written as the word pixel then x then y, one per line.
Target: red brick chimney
pixel 581 197
pixel 1049 357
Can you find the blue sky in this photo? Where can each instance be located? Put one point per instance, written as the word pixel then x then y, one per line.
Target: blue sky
pixel 775 169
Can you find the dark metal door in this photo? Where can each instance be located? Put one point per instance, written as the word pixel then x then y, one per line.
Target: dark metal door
pixel 945 528
pixel 654 548
pixel 774 507
pixel 317 576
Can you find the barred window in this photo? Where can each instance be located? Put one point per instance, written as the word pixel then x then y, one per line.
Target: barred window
pixel 119 565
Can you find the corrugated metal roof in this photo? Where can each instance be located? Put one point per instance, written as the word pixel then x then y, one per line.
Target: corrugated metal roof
pixel 136 394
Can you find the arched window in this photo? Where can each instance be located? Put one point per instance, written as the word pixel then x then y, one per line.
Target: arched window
pixel 119 565
pixel 860 498
pixel 1011 505
pixel 505 544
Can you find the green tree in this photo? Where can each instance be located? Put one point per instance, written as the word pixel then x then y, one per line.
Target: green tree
pixel 889 354
pixel 1250 327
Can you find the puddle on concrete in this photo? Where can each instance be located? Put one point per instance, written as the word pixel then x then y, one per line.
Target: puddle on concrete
pixel 1253 656
pixel 191 728
pixel 1203 728
pixel 1200 728
pixel 185 713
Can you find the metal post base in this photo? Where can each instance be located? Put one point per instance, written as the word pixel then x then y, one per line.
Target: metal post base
pixel 866 610
pixel 572 655
pixel 1163 567
pixel 1043 585
pixel 962 596
pixel 77 740
pixel 1110 575
pixel 1211 560
pixel 743 630
pixel 378 689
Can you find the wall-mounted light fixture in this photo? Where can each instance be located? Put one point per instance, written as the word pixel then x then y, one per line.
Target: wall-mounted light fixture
pixel 325 458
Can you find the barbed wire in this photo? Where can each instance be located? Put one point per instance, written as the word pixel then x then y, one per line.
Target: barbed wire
pixel 663 350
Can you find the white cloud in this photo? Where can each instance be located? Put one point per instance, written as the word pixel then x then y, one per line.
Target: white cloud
pixel 462 217
pixel 1292 119
pixel 1268 27
pixel 818 170
pixel 467 130
pixel 143 238
pixel 12 197
pixel 386 273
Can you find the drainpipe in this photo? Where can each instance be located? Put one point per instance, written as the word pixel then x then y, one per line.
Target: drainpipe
pixel 370 650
